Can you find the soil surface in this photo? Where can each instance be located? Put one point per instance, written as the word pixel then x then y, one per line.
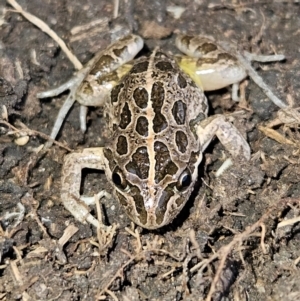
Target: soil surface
pixel 226 244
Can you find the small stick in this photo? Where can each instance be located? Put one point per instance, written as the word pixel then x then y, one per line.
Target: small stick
pixel 30 132
pixel 116 9
pixel 45 28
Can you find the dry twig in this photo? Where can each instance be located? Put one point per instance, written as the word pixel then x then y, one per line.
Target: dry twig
pixel 45 28
pixel 238 239
pixel 30 132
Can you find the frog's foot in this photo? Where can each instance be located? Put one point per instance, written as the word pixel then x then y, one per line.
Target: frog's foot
pixel 262 58
pixel 227 133
pixel 245 60
pixel 80 209
pixel 235 92
pixel 71 180
pixel 91 200
pixel 73 84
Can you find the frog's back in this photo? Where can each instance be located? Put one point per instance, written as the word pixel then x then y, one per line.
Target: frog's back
pixel 152 144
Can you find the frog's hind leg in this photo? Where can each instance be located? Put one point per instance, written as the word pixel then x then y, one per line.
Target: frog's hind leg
pixel 91 85
pixel 210 66
pixel 227 133
pixel 213 67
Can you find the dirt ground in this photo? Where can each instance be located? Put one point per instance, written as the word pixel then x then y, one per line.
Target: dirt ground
pixel 228 243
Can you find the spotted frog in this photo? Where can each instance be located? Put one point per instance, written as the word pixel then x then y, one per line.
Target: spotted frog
pixel 156 113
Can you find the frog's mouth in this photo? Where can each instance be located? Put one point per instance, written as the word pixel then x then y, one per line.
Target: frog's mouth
pixel 154 207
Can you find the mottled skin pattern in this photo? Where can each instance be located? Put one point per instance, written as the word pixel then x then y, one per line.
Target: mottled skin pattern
pixel 157 115
pixel 158 97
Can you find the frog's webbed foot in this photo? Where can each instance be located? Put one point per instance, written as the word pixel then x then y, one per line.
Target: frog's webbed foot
pixel 227 133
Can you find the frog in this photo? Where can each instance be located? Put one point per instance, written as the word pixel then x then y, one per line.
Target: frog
pixel 157 116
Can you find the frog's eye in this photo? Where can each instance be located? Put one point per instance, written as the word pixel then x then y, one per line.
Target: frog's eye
pixel 119 179
pixel 184 180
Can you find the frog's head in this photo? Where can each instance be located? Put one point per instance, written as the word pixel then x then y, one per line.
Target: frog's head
pixel 152 188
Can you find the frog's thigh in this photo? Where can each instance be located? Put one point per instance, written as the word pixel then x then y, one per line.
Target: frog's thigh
pixel 71 180
pixel 226 132
pixel 96 91
pixel 208 64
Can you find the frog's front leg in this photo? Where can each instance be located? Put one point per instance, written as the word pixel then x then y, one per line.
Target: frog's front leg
pixel 227 133
pixel 71 180
pixel 91 85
